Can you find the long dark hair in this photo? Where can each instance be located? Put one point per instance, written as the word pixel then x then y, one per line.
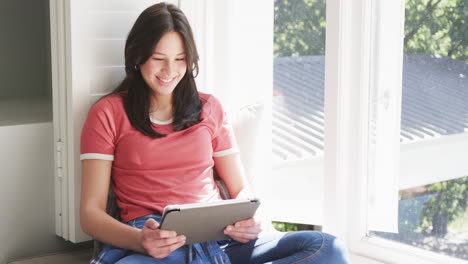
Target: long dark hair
pixel 148 29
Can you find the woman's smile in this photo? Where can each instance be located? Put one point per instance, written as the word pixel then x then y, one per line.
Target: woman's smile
pixel 165 82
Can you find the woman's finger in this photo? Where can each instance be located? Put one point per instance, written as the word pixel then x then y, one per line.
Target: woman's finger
pixel 242 237
pixel 249 229
pixel 248 222
pixel 151 224
pixel 164 251
pixel 160 236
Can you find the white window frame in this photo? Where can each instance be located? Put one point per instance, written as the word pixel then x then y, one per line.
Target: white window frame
pixel 347 72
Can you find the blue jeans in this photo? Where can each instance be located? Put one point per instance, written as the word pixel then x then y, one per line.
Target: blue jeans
pixel 276 248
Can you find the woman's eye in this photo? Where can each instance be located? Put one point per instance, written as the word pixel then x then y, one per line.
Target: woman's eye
pixel 158 59
pixel 180 59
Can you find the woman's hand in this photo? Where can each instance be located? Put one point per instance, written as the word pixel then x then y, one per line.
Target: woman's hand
pixel 244 230
pixel 159 243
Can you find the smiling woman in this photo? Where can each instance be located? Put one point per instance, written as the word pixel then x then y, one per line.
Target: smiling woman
pixel 153 164
pixel 165 61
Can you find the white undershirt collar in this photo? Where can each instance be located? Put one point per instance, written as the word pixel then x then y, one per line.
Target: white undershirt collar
pixel 159 122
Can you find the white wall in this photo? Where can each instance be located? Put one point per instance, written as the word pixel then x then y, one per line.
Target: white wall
pixel 27 192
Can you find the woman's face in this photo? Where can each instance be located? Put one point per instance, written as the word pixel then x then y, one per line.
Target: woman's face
pixel 166 66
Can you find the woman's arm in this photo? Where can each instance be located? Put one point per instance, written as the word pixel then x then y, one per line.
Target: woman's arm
pixel 230 169
pixel 93 217
pixel 101 226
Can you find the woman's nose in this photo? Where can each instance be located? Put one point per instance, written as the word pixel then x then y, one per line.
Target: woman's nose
pixel 169 68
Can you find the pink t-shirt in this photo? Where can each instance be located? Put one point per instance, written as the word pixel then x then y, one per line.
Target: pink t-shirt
pixel 149 173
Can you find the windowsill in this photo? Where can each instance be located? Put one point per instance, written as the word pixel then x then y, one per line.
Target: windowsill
pixel 378 250
pixel 357 259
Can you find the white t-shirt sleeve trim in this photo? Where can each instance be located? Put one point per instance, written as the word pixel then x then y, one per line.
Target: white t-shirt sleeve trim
pixel 225 152
pixel 96 156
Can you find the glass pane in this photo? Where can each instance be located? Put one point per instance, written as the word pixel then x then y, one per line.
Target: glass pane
pixel 434 217
pixel 298 116
pixel 434 129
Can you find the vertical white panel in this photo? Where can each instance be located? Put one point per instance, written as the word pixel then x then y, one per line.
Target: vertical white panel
pixel 59 66
pixel 88 62
pixel 250 51
pixel 346 101
pixel 196 12
pixel 211 22
pixel 77 105
pixel 385 113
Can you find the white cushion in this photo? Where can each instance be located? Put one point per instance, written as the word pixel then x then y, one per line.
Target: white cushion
pixel 247 123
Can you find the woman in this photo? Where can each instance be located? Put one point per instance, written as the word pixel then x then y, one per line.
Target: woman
pixel 156 139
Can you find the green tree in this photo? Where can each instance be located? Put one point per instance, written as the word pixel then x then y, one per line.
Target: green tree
pixel 449 202
pixel 431 26
pixel 299 28
pixel 436 26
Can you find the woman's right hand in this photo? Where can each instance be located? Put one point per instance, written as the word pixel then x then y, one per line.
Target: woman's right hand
pixel 159 243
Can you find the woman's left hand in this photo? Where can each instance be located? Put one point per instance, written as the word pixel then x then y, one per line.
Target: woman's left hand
pixel 244 230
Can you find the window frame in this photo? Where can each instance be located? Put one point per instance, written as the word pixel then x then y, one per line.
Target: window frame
pixel 349 47
pixel 350 26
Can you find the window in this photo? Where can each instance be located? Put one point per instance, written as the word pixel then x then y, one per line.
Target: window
pixel 363 96
pixel 433 196
pixel 298 110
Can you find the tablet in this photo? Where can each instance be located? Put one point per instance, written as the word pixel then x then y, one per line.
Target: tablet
pixel 202 222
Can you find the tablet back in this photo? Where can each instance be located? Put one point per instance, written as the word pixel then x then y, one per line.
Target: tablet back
pixel 202 223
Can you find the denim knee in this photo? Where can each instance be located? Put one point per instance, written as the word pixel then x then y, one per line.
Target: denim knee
pixel 336 249
pixel 323 247
pixel 310 241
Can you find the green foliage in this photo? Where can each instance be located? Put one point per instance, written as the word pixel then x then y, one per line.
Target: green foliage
pixel 286 227
pixel 450 201
pixel 299 28
pixel 436 26
pixel 431 26
pixel 460 224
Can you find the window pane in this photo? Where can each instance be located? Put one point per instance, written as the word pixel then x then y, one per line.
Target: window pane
pixel 434 217
pixel 298 116
pixel 434 129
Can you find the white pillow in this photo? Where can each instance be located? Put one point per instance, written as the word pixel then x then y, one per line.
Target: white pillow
pixel 247 123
